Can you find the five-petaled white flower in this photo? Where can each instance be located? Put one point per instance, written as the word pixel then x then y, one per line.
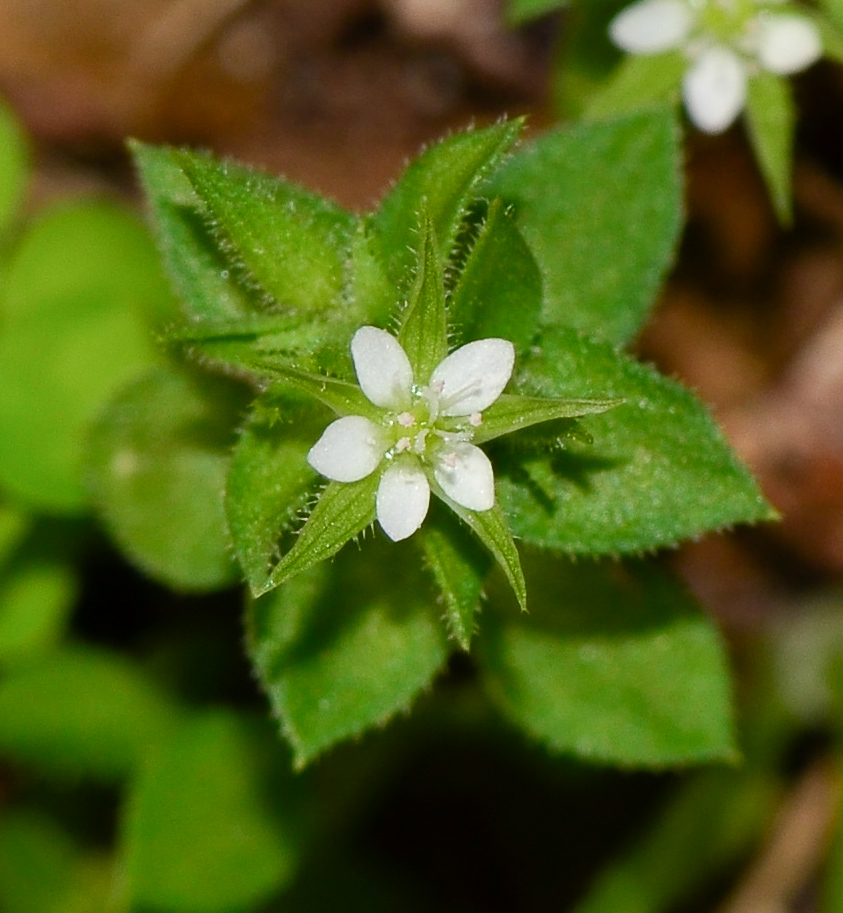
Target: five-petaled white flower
pixel 725 41
pixel 425 431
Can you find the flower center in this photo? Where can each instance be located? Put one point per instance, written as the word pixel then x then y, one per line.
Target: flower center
pixel 726 21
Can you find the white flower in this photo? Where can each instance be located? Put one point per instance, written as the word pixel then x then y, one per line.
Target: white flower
pixel 425 430
pixel 725 41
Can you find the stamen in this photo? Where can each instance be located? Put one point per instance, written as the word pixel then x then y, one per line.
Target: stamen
pixel 403 444
pixel 406 419
pixel 475 419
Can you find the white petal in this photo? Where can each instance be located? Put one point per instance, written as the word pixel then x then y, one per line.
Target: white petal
pixel 473 377
pixel 787 44
pixel 350 448
pixel 714 89
pixel 465 475
pixel 652 26
pixel 382 367
pixel 402 500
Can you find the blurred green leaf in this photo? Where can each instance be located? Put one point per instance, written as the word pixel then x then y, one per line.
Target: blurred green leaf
pixel 208 830
pixel 659 469
pixel 42 870
pixel 77 290
pixel 157 464
pixel 444 179
pixel 499 291
pixel 81 711
pixel 640 81
pixel 600 206
pixel 14 167
pixel 346 646
pixel 519 11
pixel 614 663
pixel 770 115
pixel 14 525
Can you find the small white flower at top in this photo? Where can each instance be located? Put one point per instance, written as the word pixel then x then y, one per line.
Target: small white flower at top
pixel 425 432
pixel 725 41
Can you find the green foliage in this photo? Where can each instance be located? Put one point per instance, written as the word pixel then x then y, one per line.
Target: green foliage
pixel 599 205
pixel 207 828
pixel 770 117
pixel 14 167
pixel 78 291
pixel 161 450
pixel 81 711
pixel 613 663
pixel 638 82
pixel 518 11
pixel 341 649
pixel 637 487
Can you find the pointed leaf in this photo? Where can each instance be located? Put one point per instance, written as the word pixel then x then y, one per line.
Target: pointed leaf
pixel 640 81
pixel 491 527
pixel 460 567
pixel 346 646
pixel 158 459
pixel 511 413
pixel 770 116
pixel 614 663
pixel 499 291
pixel 424 326
pixel 343 511
pixel 208 830
pixel 444 179
pixel 600 205
pixel 269 481
pixel 293 243
pixel 659 469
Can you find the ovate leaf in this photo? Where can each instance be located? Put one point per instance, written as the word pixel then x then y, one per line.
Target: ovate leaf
pixel 81 712
pixel 444 179
pixel 770 116
pixel 659 469
pixel 600 206
pixel 158 462
pixel 208 829
pixel 345 646
pixel 613 663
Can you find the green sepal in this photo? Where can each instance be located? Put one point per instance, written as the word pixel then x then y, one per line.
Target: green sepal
pixel 459 566
pixel 491 527
pixel 289 241
pixel 343 511
pixel 499 290
pixel 770 118
pixel 640 81
pixel 444 179
pixel 424 325
pixel 343 397
pixel 511 412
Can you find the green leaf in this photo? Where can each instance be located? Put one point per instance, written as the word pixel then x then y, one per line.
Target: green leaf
pixel 157 463
pixel 208 830
pixel 14 525
pixel 74 331
pixel 459 567
pixel 444 179
pixel 424 325
pixel 293 243
pixel 343 511
pixel 347 646
pixel 81 711
pixel 770 116
pixel 614 663
pixel 492 529
pixel 511 413
pixel 42 870
pixel 600 206
pixel 659 469
pixel 640 81
pixel 14 167
pixel 499 291
pixel 269 482
pixel 519 11
pixel 200 272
